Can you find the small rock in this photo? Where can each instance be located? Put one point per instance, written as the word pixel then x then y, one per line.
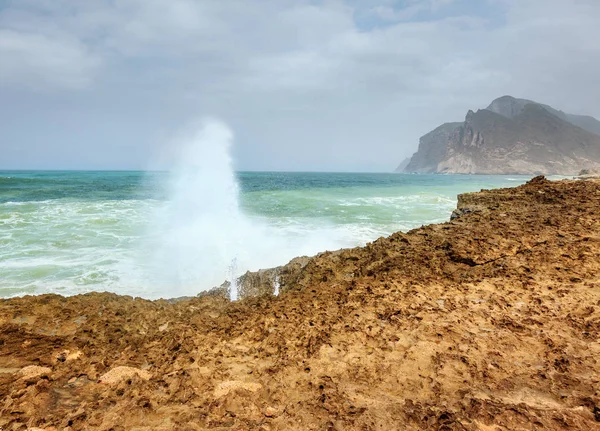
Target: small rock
pixel 225 388
pixel 67 355
pixel 32 372
pixel 121 373
pixel 270 412
pixel 74 355
pixel 205 371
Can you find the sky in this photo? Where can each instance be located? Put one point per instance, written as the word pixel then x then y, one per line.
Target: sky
pixel 314 85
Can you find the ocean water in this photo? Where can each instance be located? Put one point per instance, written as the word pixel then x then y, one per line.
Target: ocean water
pixel 160 234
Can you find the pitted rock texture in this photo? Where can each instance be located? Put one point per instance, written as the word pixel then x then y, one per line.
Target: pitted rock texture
pixel 489 322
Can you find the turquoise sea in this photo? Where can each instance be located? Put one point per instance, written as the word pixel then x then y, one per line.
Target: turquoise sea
pixel 156 234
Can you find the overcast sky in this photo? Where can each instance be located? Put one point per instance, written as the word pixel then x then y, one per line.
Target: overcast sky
pixel 305 85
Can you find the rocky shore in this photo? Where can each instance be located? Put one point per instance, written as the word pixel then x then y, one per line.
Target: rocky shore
pixel 488 322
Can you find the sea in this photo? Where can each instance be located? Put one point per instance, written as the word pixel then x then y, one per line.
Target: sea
pixel 180 232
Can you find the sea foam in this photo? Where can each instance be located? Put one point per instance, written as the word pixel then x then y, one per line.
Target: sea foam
pixel 199 233
pixel 203 237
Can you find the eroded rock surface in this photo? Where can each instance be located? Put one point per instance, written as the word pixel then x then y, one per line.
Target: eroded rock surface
pixel 488 322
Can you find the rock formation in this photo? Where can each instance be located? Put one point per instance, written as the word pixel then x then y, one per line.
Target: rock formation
pixel 510 107
pixel 431 148
pixel 402 165
pixel 511 136
pixel 490 321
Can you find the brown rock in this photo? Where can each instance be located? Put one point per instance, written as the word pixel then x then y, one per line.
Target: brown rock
pixel 33 372
pixel 121 373
pixel 227 387
pixel 488 321
pixel 270 412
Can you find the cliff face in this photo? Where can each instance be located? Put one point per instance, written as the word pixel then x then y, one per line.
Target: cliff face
pixel 511 136
pixel 431 148
pixel 402 165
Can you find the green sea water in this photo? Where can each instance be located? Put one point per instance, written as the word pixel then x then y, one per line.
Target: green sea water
pixel 136 233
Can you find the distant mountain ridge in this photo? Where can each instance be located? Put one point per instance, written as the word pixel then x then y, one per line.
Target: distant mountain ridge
pixel 510 107
pixel 510 136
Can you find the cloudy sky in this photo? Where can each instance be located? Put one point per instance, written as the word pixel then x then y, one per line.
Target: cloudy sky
pixel 305 85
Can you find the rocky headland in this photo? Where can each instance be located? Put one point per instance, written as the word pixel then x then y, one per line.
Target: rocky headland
pixel 488 322
pixel 510 136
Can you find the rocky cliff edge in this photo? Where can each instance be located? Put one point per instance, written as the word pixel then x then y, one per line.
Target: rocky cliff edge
pixel 490 321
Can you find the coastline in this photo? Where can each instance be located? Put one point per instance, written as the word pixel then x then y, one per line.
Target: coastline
pixel 46 220
pixel 490 321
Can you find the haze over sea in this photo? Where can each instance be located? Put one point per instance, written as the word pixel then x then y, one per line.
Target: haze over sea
pixel 76 232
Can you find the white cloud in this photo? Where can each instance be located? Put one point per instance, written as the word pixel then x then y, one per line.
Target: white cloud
pixel 296 78
pixel 37 61
pixel 393 13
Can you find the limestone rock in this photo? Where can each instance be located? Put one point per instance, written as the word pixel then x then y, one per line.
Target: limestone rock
pixel 33 372
pixel 489 319
pixel 225 388
pixel 121 373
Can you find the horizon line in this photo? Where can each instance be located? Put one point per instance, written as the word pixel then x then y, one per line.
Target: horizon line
pixel 167 170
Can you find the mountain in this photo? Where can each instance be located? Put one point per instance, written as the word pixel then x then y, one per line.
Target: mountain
pixel 509 106
pixel 431 147
pixel 402 165
pixel 511 136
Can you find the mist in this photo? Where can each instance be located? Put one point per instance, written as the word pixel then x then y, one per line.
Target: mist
pixel 200 236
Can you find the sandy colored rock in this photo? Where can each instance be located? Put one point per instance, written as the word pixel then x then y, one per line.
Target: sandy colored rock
pixel 270 412
pixel 119 374
pixel 490 321
pixel 71 356
pixel 225 388
pixel 67 355
pixel 33 372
